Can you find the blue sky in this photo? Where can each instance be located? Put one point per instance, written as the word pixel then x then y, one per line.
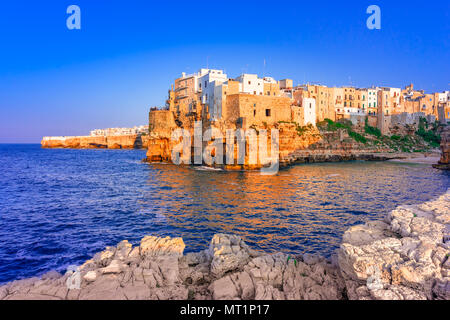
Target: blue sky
pixel 55 81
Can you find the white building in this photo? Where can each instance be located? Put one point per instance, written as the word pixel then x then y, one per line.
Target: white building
pixel 309 111
pixel 372 99
pixel 251 84
pixel 393 93
pixel 208 80
pixel 119 131
pixel 443 97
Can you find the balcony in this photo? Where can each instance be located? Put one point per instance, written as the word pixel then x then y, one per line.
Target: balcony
pixel 181 88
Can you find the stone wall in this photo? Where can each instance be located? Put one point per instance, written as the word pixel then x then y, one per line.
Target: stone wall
pixel 256 110
pixel 162 123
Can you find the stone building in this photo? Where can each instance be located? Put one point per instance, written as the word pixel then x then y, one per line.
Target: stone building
pixel 246 110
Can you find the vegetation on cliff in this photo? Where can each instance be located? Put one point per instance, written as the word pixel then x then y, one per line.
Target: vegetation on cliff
pixel 403 138
pixel 429 136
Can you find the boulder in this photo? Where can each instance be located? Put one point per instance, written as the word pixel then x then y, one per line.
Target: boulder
pixel 154 246
pixel 228 253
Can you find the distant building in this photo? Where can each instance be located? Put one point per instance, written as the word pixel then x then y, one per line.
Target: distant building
pixel 119 131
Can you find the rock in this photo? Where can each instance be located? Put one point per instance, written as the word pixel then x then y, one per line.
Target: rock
pixel 90 276
pixel 441 290
pixel 228 253
pixel 267 293
pixel 88 265
pixel 116 266
pixel 154 246
pixel 408 263
pixel 397 293
pixel 244 284
pixel 51 275
pixel 223 289
pixel 136 292
pixel 3 292
pixel 364 234
pixel 361 262
pixel 123 250
pixel 31 296
pixel 311 259
pixel 169 269
pixel 195 258
pixel 103 258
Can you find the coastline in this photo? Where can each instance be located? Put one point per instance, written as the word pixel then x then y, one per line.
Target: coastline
pixel 405 257
pixel 132 141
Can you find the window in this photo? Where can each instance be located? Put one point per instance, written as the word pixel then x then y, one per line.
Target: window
pixel 267 112
pixel 254 92
pixel 249 82
pixel 268 93
pixel 206 84
pixel 254 113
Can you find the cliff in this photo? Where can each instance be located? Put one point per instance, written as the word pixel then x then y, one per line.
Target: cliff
pixel 404 257
pixel 89 142
pixel 444 162
pixel 328 142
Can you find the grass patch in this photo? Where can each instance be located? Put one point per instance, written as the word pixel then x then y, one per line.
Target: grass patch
pixel 357 137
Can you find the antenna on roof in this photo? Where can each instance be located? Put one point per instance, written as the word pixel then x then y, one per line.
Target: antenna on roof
pixel 264 69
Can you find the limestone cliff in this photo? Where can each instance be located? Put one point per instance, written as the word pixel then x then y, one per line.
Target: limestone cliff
pixel 444 162
pixel 89 142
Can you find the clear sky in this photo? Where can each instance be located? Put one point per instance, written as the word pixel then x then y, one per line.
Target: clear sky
pixel 55 81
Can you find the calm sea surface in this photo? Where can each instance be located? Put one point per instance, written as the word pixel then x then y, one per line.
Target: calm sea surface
pixel 59 206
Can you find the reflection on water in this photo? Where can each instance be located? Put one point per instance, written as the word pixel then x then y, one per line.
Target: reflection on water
pixel 305 208
pixel 58 207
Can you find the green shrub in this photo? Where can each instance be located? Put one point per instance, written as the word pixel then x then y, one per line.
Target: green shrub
pixel 334 126
pixel 357 137
pixel 428 135
pixel 372 130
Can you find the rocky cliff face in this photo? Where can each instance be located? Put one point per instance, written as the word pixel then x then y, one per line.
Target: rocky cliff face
pixel 88 142
pixel 444 162
pixel 405 257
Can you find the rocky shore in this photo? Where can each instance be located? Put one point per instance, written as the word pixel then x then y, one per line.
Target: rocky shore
pixel 403 257
pixel 132 141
